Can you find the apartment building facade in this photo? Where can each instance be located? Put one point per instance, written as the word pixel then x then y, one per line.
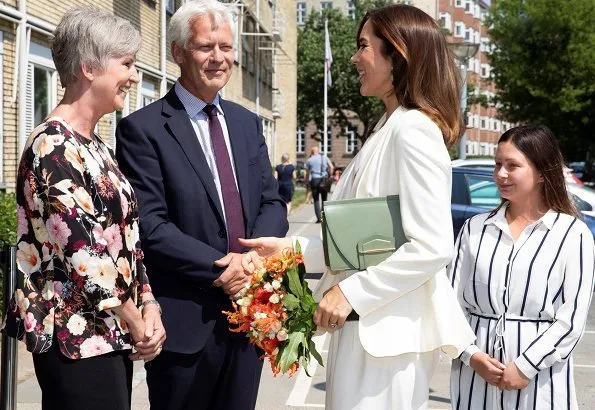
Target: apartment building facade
pixel 465 20
pixel 265 45
pixel 342 143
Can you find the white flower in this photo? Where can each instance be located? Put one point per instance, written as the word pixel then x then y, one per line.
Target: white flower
pixel 84 264
pixel 244 301
pixel 22 302
pixel 66 200
pixel 95 346
pixel 76 325
pixel 276 284
pixel 106 275
pixel 44 144
pixel 48 290
pixel 39 229
pixel 124 269
pixel 268 287
pixel 91 163
pixel 282 335
pixel 260 315
pixel 28 259
pixel 131 235
pixel 276 326
pixel 48 322
pixel 274 298
pixel 83 199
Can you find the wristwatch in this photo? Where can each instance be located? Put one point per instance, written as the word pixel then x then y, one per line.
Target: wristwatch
pixel 152 302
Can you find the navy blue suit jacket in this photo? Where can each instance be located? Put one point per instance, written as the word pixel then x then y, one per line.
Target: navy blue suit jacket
pixel 181 220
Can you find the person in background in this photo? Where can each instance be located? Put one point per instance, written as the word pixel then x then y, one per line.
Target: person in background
pixel 523 274
pixel 78 244
pixel 319 167
pixel 201 168
pixel 285 175
pixel 335 179
pixel 407 312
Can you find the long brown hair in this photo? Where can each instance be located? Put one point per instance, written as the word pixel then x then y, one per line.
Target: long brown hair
pixel 539 145
pixel 425 75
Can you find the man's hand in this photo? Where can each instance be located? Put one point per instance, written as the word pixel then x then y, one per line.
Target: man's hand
pixel 148 348
pixel 513 378
pixel 233 278
pixel 267 245
pixel 333 309
pixel 487 367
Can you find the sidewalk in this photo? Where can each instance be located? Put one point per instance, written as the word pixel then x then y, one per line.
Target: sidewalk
pixel 29 393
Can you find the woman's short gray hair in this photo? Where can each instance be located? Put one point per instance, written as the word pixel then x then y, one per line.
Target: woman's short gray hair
pixel 180 32
pixel 91 36
pixel 285 157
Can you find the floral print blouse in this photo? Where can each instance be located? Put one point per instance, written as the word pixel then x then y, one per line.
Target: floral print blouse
pixel 77 245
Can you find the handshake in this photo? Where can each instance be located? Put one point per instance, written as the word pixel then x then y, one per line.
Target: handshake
pixel 240 266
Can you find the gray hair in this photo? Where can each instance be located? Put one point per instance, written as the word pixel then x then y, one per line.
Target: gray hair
pixel 179 31
pixel 285 157
pixel 91 36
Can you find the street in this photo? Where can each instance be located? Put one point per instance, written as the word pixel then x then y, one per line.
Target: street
pixel 303 392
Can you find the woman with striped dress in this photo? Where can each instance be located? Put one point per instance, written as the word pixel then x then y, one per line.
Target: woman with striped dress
pixel 523 274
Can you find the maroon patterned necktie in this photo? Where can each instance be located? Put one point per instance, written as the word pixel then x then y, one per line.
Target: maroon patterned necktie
pixel 234 215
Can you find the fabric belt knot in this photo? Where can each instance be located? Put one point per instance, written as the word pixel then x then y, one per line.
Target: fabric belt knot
pixel 232 202
pixel 499 343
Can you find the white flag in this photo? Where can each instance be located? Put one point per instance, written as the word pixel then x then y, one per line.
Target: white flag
pixel 328 56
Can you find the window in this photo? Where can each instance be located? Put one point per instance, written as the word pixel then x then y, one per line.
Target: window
pixel 483 191
pixel 459 29
pixel 301 14
pixel 458 3
pixel 469 35
pixel 300 140
pixel 324 5
pixel 476 37
pixel 351 9
pixel 483 123
pixel 470 120
pixel 329 142
pixel 351 141
pixel 147 93
pixel 485 70
pixel 485 44
pixel 40 92
pixel 468 6
pixel 445 21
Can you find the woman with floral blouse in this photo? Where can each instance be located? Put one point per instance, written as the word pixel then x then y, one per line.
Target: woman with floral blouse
pixel 78 252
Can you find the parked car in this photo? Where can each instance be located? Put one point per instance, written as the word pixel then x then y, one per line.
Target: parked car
pixel 474 191
pixel 581 193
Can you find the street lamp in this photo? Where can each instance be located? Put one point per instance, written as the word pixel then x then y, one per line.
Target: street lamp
pixel 463 52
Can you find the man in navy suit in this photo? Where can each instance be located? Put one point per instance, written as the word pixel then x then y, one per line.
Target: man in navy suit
pixel 200 168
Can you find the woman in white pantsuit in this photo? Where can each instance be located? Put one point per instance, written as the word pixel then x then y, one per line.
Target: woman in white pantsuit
pixel 524 277
pixel 407 309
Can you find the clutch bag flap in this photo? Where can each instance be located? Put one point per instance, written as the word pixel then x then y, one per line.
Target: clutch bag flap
pixel 358 233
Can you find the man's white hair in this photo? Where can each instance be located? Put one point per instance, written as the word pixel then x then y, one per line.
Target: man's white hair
pixel 179 31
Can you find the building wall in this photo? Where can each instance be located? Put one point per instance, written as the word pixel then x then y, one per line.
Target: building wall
pixel 464 20
pixel 146 16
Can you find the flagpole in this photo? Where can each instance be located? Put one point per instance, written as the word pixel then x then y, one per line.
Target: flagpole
pixel 324 137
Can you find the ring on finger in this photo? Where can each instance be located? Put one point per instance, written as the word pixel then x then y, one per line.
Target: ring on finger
pixel 333 325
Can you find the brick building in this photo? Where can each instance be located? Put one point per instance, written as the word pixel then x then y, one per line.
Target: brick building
pixel 266 44
pixel 464 19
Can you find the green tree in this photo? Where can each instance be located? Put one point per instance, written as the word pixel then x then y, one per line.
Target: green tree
pixel 543 65
pixel 343 94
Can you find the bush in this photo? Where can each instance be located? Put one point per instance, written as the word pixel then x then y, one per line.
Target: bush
pixel 8 231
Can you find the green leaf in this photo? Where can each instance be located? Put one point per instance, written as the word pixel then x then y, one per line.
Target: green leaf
pixel 314 352
pixel 290 302
pixel 295 285
pixel 289 354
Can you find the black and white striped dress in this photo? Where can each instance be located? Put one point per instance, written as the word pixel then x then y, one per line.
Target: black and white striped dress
pixel 527 302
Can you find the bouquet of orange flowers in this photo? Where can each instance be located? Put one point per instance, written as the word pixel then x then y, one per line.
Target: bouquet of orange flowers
pixel 275 311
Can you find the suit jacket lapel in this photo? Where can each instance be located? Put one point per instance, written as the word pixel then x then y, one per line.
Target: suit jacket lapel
pixel 181 129
pixel 237 140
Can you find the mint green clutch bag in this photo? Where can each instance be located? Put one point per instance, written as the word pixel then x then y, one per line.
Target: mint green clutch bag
pixel 358 233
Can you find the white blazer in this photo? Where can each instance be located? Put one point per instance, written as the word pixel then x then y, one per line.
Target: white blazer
pixel 406 303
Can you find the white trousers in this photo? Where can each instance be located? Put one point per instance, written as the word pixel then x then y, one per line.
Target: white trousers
pixel 356 380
